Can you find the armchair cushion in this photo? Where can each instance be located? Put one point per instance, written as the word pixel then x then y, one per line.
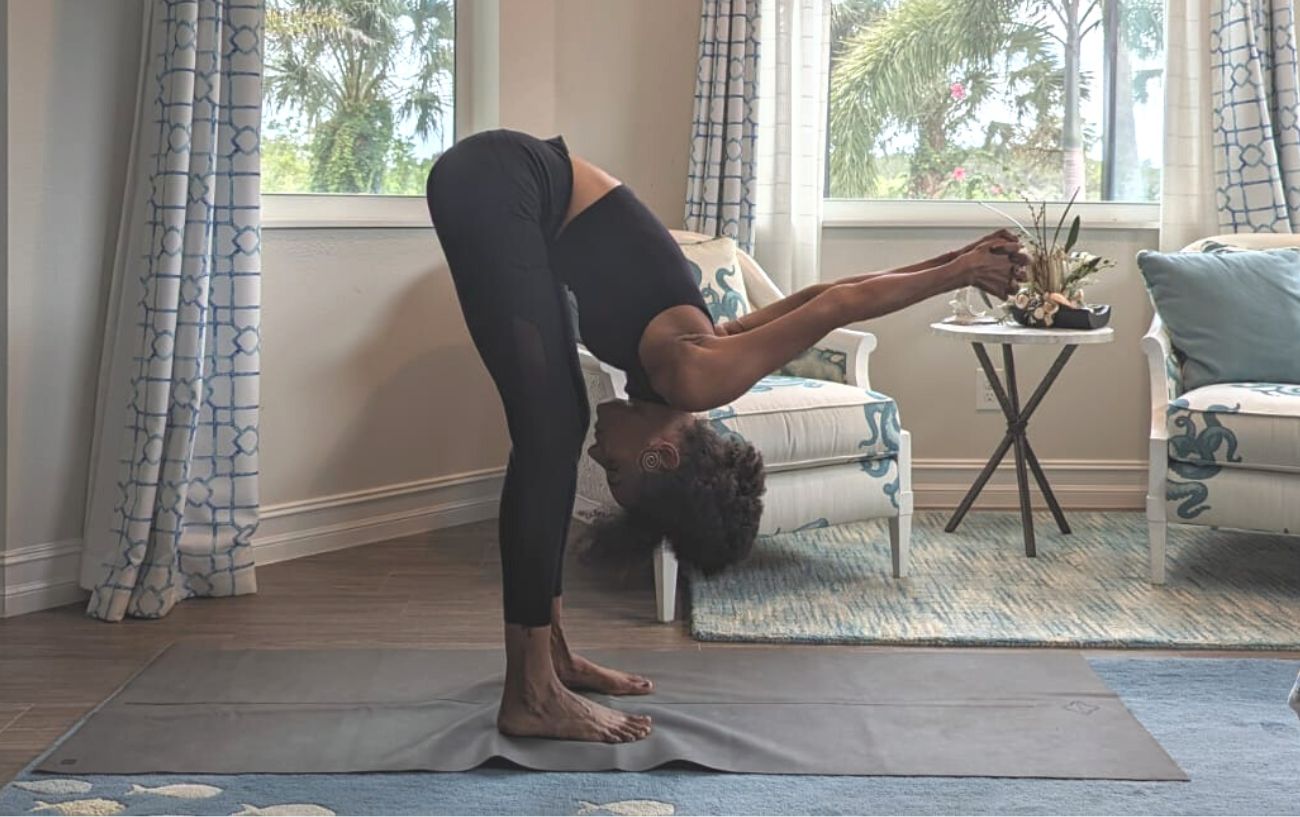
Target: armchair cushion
pixel 797 422
pixel 716 268
pixel 1235 316
pixel 1236 425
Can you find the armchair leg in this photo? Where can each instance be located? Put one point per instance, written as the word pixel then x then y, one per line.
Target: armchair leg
pixel 1157 507
pixel 900 527
pixel 900 541
pixel 1157 535
pixel 665 583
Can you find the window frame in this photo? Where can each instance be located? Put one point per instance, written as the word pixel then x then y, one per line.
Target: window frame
pixel 956 213
pixel 283 211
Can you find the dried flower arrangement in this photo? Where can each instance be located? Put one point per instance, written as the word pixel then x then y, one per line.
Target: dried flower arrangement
pixel 1052 295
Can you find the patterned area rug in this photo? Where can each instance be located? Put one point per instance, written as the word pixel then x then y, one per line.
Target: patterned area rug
pixel 1226 589
pixel 1225 722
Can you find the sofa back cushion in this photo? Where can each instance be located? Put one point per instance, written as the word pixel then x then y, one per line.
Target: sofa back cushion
pixel 1235 316
pixel 716 267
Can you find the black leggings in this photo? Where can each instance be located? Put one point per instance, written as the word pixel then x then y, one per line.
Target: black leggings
pixel 496 200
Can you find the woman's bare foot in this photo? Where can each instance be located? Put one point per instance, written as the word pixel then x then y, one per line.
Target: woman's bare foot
pixel 578 673
pixel 556 712
pixel 535 703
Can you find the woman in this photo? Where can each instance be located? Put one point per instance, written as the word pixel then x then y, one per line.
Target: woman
pixel 517 218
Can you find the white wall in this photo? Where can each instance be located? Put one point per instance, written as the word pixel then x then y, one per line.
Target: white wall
pixel 4 292
pixel 625 91
pixel 70 101
pixel 71 94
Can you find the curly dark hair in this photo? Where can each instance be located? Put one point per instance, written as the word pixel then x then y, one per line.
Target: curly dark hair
pixel 708 507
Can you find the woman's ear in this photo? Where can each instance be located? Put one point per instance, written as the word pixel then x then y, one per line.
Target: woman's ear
pixel 659 456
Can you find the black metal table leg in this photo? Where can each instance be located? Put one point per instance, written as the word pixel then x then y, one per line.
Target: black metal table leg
pixel 1046 489
pixel 975 489
pixel 1017 427
pixel 1017 417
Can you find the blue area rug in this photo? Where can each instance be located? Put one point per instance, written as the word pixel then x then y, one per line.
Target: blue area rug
pixel 975 587
pixel 1226 722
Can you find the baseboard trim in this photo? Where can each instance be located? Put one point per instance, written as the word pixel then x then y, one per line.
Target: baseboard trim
pixel 32 597
pixel 41 576
pixel 1078 484
pixel 291 530
pixel 38 577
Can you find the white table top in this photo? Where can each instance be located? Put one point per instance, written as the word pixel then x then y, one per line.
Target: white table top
pixel 1011 332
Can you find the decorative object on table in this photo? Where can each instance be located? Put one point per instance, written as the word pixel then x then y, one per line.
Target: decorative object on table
pixel 1052 297
pixel 965 313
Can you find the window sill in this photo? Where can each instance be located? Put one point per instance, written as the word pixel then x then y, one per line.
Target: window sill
pixel 929 215
pixel 302 211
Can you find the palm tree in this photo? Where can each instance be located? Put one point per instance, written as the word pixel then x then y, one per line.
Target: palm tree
pixel 1138 26
pixel 349 70
pixel 899 73
pixel 1078 19
pixel 1137 30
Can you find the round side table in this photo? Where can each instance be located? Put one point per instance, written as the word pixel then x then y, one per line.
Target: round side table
pixel 1009 335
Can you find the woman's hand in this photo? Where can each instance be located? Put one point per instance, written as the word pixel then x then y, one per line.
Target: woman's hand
pixel 1002 235
pixel 996 266
pixel 949 257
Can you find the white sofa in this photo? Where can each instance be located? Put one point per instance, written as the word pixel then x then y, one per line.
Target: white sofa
pixel 833 449
pixel 1224 455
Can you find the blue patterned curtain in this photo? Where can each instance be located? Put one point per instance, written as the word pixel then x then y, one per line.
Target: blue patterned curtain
pixel 1256 132
pixel 720 187
pixel 173 495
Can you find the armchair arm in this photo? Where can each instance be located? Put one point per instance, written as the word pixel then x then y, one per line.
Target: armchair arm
pixel 1166 375
pixel 603 382
pixel 840 357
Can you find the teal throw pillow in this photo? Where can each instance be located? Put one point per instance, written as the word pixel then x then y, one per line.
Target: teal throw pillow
pixel 1234 316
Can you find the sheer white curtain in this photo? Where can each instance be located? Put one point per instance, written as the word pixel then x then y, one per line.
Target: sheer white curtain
pixel 1188 206
pixel 792 90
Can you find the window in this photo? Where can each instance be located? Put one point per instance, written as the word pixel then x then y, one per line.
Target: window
pixel 358 95
pixel 996 99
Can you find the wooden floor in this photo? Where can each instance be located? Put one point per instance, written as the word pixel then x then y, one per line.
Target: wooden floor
pixel 433 590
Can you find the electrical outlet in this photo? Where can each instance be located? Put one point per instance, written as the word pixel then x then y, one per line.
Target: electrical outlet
pixel 985 399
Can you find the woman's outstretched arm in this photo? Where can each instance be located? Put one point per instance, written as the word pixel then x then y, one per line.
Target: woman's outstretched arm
pixel 776 309
pixel 708 371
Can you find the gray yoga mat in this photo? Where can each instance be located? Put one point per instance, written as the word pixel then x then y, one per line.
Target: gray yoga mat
pixel 779 711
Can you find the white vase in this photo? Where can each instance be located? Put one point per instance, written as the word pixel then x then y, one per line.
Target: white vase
pixel 964 311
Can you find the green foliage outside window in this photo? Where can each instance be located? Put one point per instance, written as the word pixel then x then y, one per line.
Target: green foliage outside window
pixel 358 94
pixel 988 99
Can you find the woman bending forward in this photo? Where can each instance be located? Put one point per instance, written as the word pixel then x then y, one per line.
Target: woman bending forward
pixel 518 218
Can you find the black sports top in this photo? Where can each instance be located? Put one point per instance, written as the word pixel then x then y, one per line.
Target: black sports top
pixel 624 268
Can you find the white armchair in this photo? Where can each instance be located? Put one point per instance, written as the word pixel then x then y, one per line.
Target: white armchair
pixel 833 449
pixel 1224 455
